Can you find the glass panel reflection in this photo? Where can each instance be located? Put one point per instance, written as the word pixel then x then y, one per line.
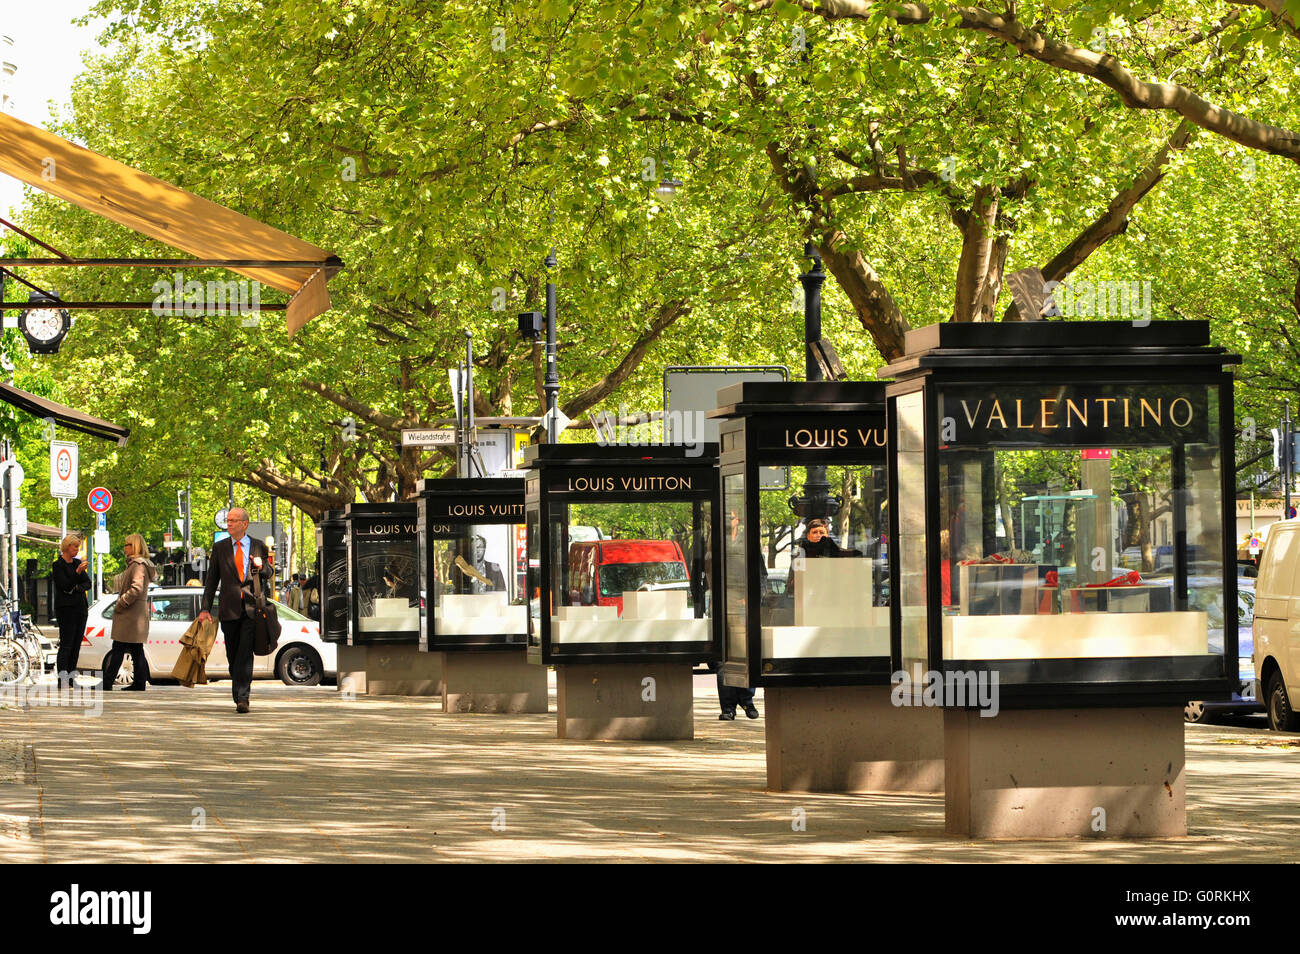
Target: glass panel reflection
pixel 912 553
pixel 823 571
pixel 630 575
pixel 475 590
pixel 734 560
pixel 1081 552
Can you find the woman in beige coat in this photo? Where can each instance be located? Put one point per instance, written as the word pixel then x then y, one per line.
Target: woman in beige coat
pixel 131 615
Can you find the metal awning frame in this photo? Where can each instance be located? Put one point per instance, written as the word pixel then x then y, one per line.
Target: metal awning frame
pixel 331 266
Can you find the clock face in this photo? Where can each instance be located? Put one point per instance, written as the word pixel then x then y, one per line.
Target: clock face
pixel 44 324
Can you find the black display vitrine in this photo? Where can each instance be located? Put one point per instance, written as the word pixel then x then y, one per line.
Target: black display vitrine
pixel 332 573
pixel 1062 509
pixel 383 563
pixel 622 546
pixel 473 566
pixel 804 512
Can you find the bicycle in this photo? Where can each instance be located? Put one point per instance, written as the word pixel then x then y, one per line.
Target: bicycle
pixel 15 661
pixel 19 644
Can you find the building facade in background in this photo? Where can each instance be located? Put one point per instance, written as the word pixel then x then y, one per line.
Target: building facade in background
pixel 8 67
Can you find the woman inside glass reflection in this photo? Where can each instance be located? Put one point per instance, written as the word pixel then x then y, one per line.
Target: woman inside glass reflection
pixel 816 542
pixel 481 577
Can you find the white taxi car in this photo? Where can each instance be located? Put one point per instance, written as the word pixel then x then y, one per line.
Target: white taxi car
pixel 300 659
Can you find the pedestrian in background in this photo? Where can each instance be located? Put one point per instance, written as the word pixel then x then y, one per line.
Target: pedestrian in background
pixel 71 584
pixel 311 597
pixel 293 593
pixel 131 615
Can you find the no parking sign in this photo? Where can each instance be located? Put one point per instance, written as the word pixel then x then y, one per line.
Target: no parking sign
pixel 100 500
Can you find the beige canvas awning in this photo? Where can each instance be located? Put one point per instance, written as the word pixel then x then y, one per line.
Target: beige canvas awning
pixel 169 214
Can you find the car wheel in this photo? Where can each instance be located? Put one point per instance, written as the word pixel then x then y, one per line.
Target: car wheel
pixel 1281 717
pixel 1196 713
pixel 125 672
pixel 299 666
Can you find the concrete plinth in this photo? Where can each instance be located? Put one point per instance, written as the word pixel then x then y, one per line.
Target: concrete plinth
pixel 352 669
pixel 850 739
pixel 615 701
pixel 498 682
pixel 1060 773
pixel 389 671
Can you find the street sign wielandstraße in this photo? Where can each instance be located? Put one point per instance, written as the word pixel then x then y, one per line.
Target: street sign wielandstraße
pixel 428 436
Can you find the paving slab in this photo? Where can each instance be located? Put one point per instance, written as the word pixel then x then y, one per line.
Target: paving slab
pixel 175 775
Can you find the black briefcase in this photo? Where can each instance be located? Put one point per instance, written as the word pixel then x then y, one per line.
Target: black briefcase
pixel 266 621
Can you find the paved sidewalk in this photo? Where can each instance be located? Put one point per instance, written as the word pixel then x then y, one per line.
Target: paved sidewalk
pixel 173 775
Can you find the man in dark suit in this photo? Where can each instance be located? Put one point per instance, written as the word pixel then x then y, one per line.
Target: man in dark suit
pixel 234 561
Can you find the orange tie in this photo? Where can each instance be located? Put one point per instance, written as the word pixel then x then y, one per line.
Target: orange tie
pixel 239 559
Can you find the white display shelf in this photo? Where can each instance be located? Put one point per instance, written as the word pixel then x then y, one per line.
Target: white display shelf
pixel 629 630
pixel 1076 635
pixel 814 642
pixel 831 591
pixel 478 614
pixel 391 615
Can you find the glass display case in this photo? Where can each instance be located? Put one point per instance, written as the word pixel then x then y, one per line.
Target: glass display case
pixel 805 581
pixel 332 572
pixel 383 562
pixel 473 569
pixel 1076 518
pixel 621 550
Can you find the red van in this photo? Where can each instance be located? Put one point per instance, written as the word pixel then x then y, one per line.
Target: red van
pixel 601 571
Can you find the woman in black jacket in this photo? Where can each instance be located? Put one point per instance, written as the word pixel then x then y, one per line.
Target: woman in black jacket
pixel 71 584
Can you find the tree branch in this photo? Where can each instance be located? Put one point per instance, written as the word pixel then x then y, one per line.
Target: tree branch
pixel 877 311
pixel 1114 220
pixel 669 312
pixel 1104 68
pixel 364 411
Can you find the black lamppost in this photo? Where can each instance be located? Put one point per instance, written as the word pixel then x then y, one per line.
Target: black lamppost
pixel 816 501
pixel 812 281
pixel 530 328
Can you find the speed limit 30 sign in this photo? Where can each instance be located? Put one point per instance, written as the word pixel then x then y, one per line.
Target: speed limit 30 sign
pixel 63 469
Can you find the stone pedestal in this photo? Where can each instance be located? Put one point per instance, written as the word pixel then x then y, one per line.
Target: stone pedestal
pixel 389 671
pixel 650 701
pixel 352 669
pixel 1061 773
pixel 850 739
pixel 502 682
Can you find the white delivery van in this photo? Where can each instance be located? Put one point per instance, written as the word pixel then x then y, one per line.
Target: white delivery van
pixel 1277 626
